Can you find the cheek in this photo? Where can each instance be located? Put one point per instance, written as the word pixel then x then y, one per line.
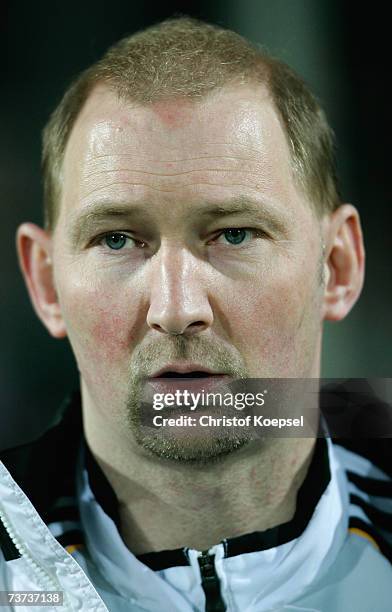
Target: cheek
pixel 274 324
pixel 101 330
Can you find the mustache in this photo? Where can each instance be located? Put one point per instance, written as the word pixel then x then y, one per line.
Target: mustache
pixel 151 356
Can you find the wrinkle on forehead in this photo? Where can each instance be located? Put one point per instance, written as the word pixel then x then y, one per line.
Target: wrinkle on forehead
pixel 230 140
pixel 109 116
pixel 174 127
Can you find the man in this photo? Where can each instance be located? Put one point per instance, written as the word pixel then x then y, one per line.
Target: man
pixel 193 230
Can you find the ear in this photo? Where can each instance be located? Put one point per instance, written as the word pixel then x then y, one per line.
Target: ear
pixel 34 246
pixel 344 262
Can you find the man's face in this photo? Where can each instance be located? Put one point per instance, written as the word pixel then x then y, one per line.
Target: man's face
pixel 182 237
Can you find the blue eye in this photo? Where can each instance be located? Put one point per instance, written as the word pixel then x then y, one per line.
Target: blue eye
pixel 115 240
pixel 235 235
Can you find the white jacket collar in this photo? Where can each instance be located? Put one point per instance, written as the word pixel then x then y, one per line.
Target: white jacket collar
pixel 259 581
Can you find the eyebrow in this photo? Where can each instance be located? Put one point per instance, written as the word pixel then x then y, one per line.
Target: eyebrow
pixel 83 223
pixel 241 205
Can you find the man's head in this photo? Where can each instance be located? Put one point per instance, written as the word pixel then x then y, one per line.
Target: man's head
pixel 188 221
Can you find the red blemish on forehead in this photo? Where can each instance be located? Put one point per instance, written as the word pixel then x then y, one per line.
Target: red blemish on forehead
pixel 174 113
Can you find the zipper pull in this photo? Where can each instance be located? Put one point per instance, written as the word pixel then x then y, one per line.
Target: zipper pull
pixel 210 583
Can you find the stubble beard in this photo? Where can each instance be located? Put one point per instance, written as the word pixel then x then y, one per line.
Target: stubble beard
pixel 205 445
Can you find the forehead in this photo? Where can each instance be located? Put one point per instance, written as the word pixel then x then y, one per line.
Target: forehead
pixel 230 141
pixel 237 116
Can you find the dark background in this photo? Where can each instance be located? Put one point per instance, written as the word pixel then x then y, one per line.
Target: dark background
pixel 342 51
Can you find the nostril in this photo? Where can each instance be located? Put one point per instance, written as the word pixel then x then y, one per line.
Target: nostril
pixel 165 330
pixel 196 326
pixel 174 330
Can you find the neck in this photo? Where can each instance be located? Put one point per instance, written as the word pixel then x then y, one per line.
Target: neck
pixel 167 505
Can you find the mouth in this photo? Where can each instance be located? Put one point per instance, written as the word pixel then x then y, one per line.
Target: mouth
pixel 184 370
pixel 170 380
pixel 185 375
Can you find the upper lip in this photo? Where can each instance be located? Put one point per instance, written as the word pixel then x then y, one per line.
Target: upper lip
pixel 183 368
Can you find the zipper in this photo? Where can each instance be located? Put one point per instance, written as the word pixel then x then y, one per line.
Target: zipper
pixel 47 582
pixel 210 583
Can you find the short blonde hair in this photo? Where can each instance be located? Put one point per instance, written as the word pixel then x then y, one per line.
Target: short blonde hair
pixel 185 57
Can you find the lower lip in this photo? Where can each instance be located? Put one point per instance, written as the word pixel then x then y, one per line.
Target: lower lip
pixel 193 385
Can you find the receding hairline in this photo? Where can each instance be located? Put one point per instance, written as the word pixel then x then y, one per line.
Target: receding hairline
pixel 103 88
pixel 187 58
pixel 261 93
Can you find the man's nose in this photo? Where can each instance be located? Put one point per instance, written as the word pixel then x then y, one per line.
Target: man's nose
pixel 179 301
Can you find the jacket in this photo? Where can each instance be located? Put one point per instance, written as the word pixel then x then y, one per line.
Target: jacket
pixel 59 532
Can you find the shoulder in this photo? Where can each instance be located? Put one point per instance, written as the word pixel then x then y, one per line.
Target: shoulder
pixel 369 489
pixel 360 579
pixel 360 576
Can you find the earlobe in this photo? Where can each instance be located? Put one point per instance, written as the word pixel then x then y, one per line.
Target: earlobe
pixel 345 261
pixel 34 252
